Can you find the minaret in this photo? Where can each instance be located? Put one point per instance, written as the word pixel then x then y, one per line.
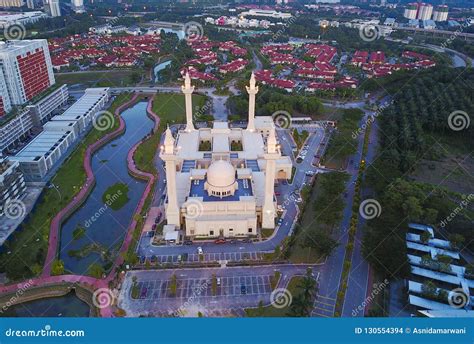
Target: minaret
pixel 272 154
pixel 188 90
pixel 252 90
pixel 169 157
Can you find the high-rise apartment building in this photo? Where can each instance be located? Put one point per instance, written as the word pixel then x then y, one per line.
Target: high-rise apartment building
pixel 26 68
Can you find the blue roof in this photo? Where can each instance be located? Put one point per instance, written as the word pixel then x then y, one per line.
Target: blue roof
pixel 253 165
pixel 188 165
pixel 234 155
pixel 244 189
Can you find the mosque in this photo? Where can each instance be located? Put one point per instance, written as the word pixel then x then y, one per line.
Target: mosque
pixel 220 180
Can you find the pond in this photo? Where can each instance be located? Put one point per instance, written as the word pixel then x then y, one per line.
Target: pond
pixel 159 67
pixel 94 233
pixel 65 306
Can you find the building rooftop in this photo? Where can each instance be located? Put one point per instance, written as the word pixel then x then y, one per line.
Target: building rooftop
pixel 244 189
pixel 41 145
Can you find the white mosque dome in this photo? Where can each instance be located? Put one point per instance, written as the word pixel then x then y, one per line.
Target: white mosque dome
pixel 220 174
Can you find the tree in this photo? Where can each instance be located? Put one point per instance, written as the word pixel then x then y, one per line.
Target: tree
pixel 57 267
pixel 173 285
pixel 96 270
pixel 457 240
pixel 319 240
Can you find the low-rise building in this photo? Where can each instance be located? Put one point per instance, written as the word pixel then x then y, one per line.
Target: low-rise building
pixel 43 152
pixel 12 182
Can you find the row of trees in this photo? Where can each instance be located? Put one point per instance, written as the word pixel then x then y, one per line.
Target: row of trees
pixel 269 101
pixel 409 130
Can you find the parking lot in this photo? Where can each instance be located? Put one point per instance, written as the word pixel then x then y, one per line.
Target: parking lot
pixel 206 257
pixel 202 288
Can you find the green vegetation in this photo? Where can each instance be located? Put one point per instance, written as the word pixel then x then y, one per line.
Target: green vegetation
pixel 29 246
pixel 135 292
pixel 236 146
pixel 270 101
pixel 354 221
pixel 275 279
pixel 302 291
pixel 96 270
pixel 205 146
pixel 300 138
pixel 57 267
pixel 415 127
pixel 78 233
pixel 214 285
pixel 110 78
pixel 312 241
pixel 343 143
pixel 116 196
pixel 173 285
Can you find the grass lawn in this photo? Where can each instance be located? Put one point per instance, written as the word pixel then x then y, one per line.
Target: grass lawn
pixel 116 196
pixel 308 220
pixel 25 252
pixel 270 311
pixel 342 144
pixel 170 108
pixel 112 78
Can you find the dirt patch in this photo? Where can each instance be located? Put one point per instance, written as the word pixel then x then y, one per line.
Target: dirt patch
pixel 456 173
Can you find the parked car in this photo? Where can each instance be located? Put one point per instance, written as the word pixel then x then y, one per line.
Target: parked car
pixel 187 242
pixel 218 280
pixel 234 241
pixel 247 240
pixel 243 290
pixel 219 241
pixel 199 250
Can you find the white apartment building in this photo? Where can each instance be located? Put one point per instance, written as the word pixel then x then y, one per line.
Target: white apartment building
pixel 5 104
pixel 12 3
pixel 440 13
pixel 424 11
pixel 21 18
pixel 27 69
